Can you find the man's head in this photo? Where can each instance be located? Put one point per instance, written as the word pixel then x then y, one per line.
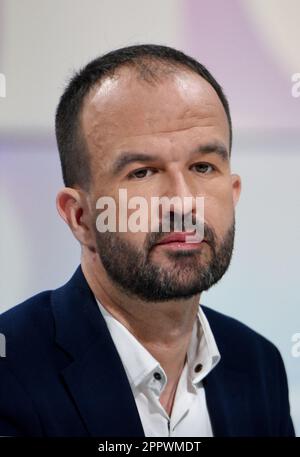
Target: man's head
pixel 153 121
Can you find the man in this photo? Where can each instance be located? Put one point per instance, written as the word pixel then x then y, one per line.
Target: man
pixel 124 349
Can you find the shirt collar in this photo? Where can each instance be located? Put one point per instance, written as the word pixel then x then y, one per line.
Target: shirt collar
pixel 140 365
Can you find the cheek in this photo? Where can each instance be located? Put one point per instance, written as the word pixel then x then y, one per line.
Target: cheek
pixel 136 239
pixel 219 210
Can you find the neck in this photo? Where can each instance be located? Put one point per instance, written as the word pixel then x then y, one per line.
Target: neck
pixel 163 328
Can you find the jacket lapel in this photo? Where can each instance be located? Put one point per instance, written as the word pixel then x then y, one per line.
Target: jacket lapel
pixel 227 386
pixel 95 378
pixel 227 402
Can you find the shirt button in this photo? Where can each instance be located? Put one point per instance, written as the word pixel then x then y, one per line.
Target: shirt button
pixel 198 367
pixel 157 375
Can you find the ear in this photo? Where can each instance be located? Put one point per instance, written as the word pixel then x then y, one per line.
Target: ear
pixel 236 183
pixel 74 210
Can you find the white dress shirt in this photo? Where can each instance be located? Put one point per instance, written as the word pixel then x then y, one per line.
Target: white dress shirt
pixel 189 416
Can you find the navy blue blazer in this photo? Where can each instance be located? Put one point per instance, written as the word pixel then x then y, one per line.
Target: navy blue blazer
pixel 62 374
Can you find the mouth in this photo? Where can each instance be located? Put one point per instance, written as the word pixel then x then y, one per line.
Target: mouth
pixel 181 240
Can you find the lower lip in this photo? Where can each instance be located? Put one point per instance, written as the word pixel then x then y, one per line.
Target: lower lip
pixel 177 245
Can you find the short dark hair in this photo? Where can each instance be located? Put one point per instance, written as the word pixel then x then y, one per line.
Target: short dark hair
pixel 72 149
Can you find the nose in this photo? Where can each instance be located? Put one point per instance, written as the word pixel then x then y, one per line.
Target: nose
pixel 179 209
pixel 178 190
pixel 179 204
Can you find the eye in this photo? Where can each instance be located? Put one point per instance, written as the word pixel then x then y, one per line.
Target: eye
pixel 204 168
pixel 141 173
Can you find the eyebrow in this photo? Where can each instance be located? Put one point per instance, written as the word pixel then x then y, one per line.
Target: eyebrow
pixel 126 158
pixel 213 148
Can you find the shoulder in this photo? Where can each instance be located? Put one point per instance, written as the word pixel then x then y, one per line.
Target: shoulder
pixel 27 331
pixel 31 309
pixel 251 362
pixel 27 324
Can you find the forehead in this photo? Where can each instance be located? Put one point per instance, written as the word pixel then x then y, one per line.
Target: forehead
pixel 124 106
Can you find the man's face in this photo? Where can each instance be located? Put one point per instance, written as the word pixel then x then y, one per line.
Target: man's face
pixel 181 125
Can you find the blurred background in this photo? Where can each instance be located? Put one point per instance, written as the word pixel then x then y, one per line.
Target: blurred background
pixel 252 47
